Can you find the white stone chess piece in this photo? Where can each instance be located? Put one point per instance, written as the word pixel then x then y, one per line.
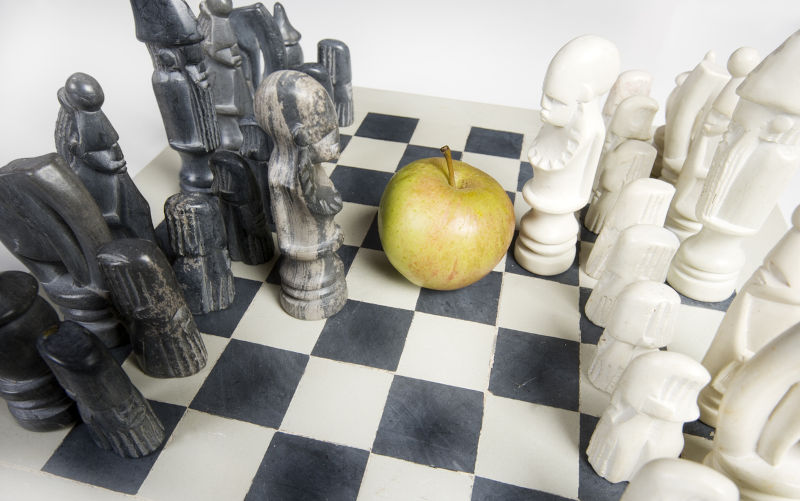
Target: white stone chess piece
pixel 655 396
pixel 643 201
pixel 682 216
pixel 672 479
pixel 629 83
pixel 698 90
pixel 643 321
pixel 565 153
pixel 627 155
pixel 757 442
pixel 643 252
pixel 753 164
pixel 767 305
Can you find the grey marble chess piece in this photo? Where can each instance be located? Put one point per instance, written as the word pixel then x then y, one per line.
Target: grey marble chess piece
pixel 197 238
pixel 298 114
pixel 88 142
pixel 49 221
pixel 249 239
pixel 181 85
pixel 164 336
pixel 33 395
pixel 118 416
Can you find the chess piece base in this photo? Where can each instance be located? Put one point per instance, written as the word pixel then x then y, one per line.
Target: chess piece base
pixel 552 250
pixel 701 285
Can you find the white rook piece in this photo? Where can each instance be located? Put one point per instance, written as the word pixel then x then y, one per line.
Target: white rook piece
pixel 643 252
pixel 565 153
pixel 656 395
pixel 756 443
pixel 629 83
pixel 672 479
pixel 643 321
pixel 753 164
pixel 767 305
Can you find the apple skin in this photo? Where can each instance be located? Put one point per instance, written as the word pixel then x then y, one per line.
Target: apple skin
pixel 440 236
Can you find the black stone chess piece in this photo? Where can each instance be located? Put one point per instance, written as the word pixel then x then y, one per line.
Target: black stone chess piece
pixel 291 37
pixel 334 55
pixel 49 221
pixel 299 115
pixel 181 85
pixel 88 142
pixel 118 416
pixel 249 240
pixel 164 336
pixel 197 238
pixel 34 397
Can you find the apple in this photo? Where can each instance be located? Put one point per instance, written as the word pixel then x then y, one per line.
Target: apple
pixel 444 224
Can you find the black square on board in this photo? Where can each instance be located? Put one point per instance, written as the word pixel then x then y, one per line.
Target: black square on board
pixel 365 334
pixel 252 383
pixel 344 140
pixel 372 240
pixel 222 323
pixel 414 152
pixel 525 173
pixel 699 429
pixel 431 423
pixel 569 277
pixel 302 468
pixel 361 186
pixel 719 306
pixel 537 369
pixel 494 142
pixel 387 127
pixel 590 333
pixel 485 489
pixel 590 484
pixel 79 458
pixel 476 302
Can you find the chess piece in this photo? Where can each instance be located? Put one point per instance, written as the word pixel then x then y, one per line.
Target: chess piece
pixel 672 479
pixel 301 119
pixel 164 337
pixel 32 393
pixel 629 83
pixel 260 42
pixel 643 201
pixel 658 142
pixel 642 252
pixel 565 153
pixel 656 395
pixel 202 264
pixel 755 444
pixel 758 156
pixel 88 142
pixel 334 55
pixel 767 304
pixel 682 216
pixel 629 156
pixel 249 240
pixel 291 37
pixel 118 416
pixel 49 221
pixel 698 90
pixel 181 85
pixel 643 320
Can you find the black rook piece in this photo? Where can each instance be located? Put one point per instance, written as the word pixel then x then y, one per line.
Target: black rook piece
pixel 334 55
pixel 164 336
pixel 118 416
pixel 202 264
pixel 34 397
pixel 300 117
pixel 50 222
pixel 88 142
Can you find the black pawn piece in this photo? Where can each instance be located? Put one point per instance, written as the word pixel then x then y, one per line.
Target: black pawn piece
pixel 164 336
pixel 334 55
pixel 34 397
pixel 118 416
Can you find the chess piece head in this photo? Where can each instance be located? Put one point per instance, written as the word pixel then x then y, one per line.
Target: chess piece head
pixel 645 314
pixel 773 83
pixel 83 92
pixel 291 37
pixel 219 7
pixel 168 23
pixel 742 61
pixel 633 118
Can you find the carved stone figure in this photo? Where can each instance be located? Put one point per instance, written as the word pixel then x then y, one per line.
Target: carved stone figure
pixel 672 479
pixel 334 55
pixel 301 119
pixel 628 84
pixel 291 37
pixel 88 142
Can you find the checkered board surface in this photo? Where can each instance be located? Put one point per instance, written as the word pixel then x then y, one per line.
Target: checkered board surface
pixel 405 394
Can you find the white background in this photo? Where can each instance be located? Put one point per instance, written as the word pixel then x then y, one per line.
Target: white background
pixel 472 50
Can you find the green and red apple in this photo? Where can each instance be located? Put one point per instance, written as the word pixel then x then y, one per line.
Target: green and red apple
pixel 444 224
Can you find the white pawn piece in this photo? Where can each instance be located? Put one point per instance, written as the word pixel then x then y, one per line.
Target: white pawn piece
pixel 672 479
pixel 656 395
pixel 767 305
pixel 630 156
pixel 565 153
pixel 643 252
pixel 643 321
pixel 756 442
pixel 643 201
pixel 701 87
pixel 682 215
pixel 753 164
pixel 628 83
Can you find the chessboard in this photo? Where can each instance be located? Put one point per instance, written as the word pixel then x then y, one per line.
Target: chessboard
pixel 405 394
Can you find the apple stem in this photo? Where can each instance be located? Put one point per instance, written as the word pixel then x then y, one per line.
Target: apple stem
pixel 451 173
